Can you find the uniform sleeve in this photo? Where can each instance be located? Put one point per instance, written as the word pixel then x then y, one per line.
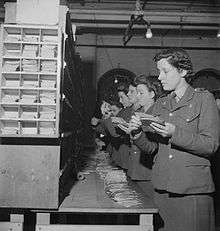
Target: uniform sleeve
pixel 146 145
pixel 206 140
pixel 99 128
pixel 108 125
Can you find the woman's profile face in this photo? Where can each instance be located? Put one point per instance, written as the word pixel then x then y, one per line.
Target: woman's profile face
pixel 123 99
pixel 105 108
pixel 169 76
pixel 115 110
pixel 144 95
pixel 132 94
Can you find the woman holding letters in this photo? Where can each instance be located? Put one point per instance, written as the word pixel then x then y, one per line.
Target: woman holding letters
pixel 181 173
pixel 140 164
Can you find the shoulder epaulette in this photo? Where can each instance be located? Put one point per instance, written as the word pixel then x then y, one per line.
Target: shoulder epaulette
pixel 200 89
pixel 163 95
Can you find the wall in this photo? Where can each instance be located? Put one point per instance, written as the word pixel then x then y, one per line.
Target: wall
pixel 137 56
pixel 107 52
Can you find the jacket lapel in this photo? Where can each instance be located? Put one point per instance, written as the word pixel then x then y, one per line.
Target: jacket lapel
pixel 170 104
pixel 167 102
pixel 184 101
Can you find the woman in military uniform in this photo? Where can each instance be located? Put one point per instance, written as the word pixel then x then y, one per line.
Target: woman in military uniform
pixel 140 165
pixel 181 173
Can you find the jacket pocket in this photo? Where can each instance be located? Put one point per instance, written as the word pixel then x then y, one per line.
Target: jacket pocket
pixel 189 116
pixel 192 117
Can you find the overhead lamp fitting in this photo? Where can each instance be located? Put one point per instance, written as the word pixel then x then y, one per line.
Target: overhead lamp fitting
pixel 218 33
pixel 137 18
pixel 149 33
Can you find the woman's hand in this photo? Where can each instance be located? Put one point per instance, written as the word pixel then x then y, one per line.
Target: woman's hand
pixel 94 121
pixel 106 110
pixel 135 123
pixel 124 128
pixel 117 120
pixel 166 130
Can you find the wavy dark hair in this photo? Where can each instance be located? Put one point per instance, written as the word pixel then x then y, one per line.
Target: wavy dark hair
pixel 178 58
pixel 152 83
pixel 123 87
pixel 111 97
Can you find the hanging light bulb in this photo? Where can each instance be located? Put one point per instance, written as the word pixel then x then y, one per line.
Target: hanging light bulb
pixel 116 80
pixel 218 34
pixel 148 34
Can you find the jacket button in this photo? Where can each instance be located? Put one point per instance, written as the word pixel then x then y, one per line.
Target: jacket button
pixel 170 156
pixel 170 114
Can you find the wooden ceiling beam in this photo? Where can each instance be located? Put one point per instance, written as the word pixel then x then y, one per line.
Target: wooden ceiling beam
pixel 119 18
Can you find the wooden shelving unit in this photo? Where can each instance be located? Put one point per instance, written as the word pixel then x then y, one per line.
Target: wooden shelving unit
pixel 30 73
pixel 41 114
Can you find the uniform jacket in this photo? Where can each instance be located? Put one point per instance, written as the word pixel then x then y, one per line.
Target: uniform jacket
pixel 140 164
pixel 120 141
pixel 182 163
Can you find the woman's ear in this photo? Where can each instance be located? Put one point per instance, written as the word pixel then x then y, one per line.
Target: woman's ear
pixel 183 72
pixel 152 94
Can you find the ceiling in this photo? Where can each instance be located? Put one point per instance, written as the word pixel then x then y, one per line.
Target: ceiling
pixel 199 18
pixel 190 18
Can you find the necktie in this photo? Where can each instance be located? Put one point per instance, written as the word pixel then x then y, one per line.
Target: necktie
pixel 173 99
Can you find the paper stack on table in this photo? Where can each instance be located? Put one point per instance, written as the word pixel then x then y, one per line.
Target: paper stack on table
pixel 118 189
pixel 116 185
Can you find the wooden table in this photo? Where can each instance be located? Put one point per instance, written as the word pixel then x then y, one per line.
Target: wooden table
pixel 88 196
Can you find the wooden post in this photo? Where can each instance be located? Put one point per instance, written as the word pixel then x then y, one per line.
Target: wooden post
pixel 43 219
pixel 146 222
pixel 17 218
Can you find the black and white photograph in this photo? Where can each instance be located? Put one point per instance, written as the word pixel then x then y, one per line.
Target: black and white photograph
pixel 109 115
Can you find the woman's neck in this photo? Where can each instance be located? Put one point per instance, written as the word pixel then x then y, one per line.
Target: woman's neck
pixel 135 106
pixel 148 105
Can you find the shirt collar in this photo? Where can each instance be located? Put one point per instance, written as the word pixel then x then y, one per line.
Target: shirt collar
pixel 181 91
